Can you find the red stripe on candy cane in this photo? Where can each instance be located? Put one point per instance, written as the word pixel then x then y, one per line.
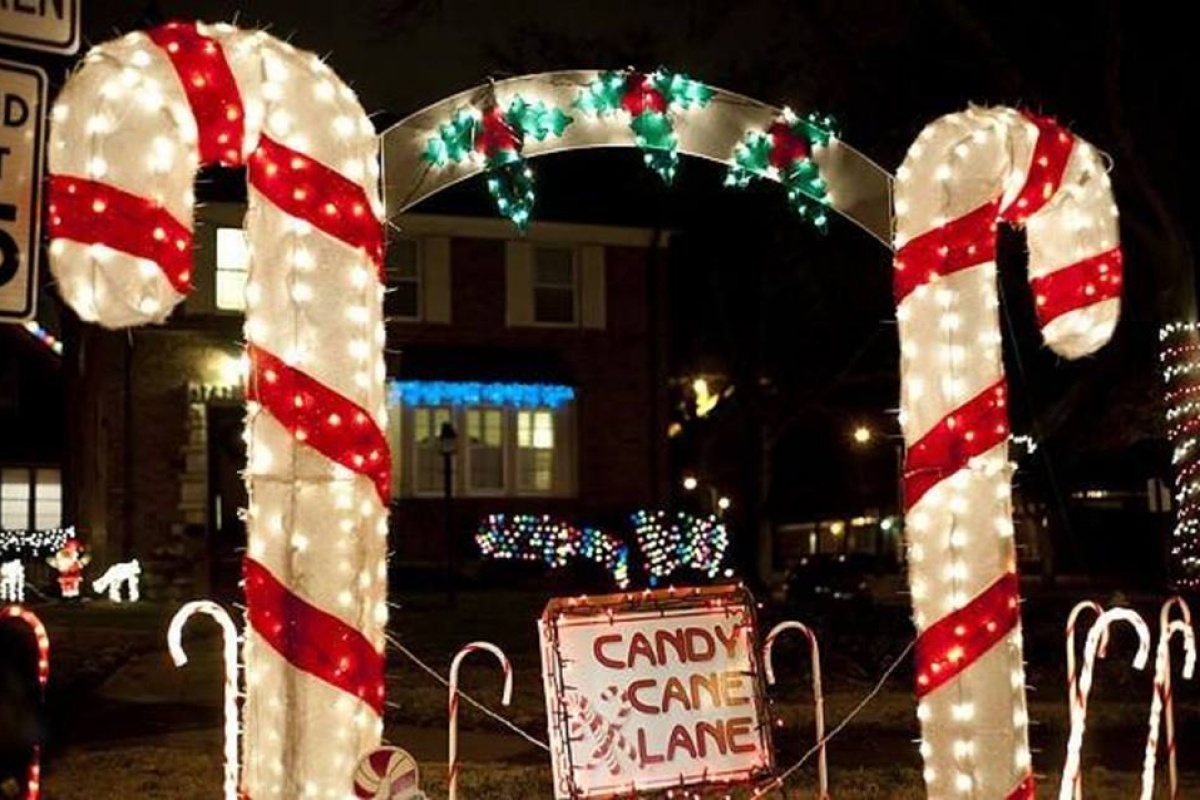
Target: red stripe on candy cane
pixel 1051 152
pixel 971 430
pixel 311 191
pixel 313 640
pixel 956 641
pixel 90 212
pixel 211 90
pixel 1026 790
pixel 959 244
pixel 321 418
pixel 1092 280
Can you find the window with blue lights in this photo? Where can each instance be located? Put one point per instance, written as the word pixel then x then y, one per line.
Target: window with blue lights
pixel 513 439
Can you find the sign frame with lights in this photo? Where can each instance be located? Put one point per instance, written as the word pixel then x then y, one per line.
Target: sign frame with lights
pixel 685 706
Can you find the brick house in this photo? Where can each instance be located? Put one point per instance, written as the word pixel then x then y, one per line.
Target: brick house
pixel 546 354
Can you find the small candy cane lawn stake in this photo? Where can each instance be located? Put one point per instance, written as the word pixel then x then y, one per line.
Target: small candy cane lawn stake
pixel 452 766
pixel 1074 701
pixel 33 782
pixel 230 636
pixel 1163 703
pixel 818 697
pixel 1070 775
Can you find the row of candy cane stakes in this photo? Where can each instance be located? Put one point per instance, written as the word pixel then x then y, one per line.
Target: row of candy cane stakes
pixel 1162 702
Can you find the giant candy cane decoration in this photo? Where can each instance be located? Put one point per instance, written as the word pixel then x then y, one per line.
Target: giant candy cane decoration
pixel 964 174
pixel 130 129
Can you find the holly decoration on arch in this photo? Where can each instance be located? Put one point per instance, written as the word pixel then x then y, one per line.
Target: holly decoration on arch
pixel 649 99
pixel 496 136
pixel 784 153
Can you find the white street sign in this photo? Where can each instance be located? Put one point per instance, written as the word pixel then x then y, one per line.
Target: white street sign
pixel 50 25
pixel 22 101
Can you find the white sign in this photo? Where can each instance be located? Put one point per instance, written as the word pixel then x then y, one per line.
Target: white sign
pixel 22 98
pixel 50 25
pixel 654 690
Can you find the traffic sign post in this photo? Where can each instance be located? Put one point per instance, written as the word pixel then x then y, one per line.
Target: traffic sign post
pixel 22 103
pixel 48 25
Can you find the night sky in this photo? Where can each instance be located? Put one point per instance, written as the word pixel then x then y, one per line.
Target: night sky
pixel 800 322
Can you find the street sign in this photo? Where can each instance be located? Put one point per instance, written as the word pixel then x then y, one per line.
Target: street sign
pixel 22 101
pixel 49 25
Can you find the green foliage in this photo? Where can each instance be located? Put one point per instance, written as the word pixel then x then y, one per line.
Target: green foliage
pixel 455 139
pixel 536 120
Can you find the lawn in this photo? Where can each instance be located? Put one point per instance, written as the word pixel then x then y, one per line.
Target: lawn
pixel 123 723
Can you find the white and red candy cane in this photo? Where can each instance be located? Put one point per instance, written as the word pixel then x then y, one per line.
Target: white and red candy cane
pixel 814 651
pixel 1071 784
pixel 33 775
pixel 966 173
pixel 130 129
pixel 1076 703
pixel 452 765
pixel 1163 703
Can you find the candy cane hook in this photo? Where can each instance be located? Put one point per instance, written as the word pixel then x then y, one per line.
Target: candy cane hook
pixel 452 765
pixel 814 652
pixel 964 174
pixel 1162 704
pixel 1070 776
pixel 129 131
pixel 33 780
pixel 229 637
pixel 1075 702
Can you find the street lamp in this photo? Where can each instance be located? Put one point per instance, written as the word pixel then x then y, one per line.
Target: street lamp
pixel 862 434
pixel 690 483
pixel 448 441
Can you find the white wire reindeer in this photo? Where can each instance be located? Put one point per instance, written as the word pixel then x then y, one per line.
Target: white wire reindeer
pixel 124 574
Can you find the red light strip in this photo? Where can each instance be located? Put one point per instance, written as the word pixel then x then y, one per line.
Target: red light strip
pixel 313 640
pixel 1026 790
pixel 211 90
pixel 1077 286
pixel 307 189
pixel 333 425
pixel 90 212
pixel 1051 152
pixel 952 644
pixel 971 430
pixel 959 244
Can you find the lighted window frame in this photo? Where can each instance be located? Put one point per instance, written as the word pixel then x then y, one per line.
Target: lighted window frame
pixel 30 498
pixel 233 269
pixel 427 469
pixel 555 285
pixel 404 270
pixel 475 434
pixel 537 449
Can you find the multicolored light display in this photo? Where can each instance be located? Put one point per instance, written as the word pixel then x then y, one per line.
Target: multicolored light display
pixel 473 393
pixel 540 538
pixel 673 541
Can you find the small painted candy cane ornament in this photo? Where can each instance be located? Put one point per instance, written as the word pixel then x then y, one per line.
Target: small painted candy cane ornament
pixel 965 173
pixel 814 652
pixel 452 762
pixel 1071 770
pixel 129 131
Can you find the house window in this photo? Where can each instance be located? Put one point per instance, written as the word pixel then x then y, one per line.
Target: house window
pixel 485 450
pixel 30 499
pixel 403 298
pixel 233 267
pixel 554 286
pixel 535 451
pixel 427 425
